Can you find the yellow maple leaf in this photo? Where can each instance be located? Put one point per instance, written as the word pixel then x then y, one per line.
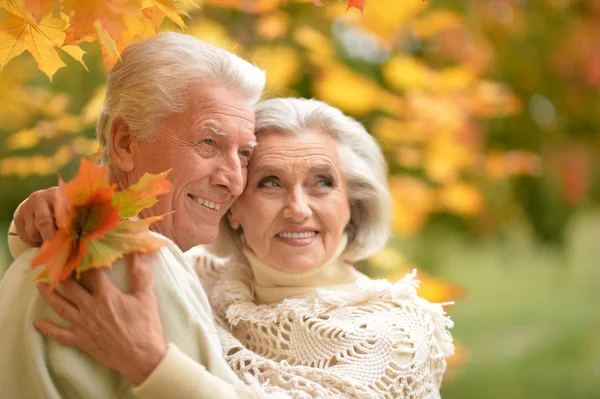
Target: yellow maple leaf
pixel 167 8
pixel 76 52
pixel 16 7
pixel 19 33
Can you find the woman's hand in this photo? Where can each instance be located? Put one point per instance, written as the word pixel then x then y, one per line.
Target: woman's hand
pixel 122 331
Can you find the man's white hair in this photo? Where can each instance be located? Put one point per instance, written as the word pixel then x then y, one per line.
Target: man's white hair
pixel 151 79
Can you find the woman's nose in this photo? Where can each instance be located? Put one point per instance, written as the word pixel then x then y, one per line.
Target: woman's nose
pixel 297 208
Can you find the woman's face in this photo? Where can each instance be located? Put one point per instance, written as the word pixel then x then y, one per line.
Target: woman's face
pixel 295 207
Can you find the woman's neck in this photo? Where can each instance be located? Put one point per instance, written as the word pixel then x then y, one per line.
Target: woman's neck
pixel 272 285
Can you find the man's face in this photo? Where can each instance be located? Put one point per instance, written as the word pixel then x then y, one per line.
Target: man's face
pixel 208 147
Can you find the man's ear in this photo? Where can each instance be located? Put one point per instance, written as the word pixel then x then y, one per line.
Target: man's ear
pixel 234 223
pixel 121 144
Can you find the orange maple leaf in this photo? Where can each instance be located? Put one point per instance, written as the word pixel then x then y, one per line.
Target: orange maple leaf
pixel 84 211
pixel 84 14
pixel 40 8
pixel 91 230
pixel 360 4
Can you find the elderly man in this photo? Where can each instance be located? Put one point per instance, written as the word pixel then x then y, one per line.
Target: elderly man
pixel 171 102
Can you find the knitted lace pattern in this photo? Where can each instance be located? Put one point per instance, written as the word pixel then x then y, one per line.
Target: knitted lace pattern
pixel 372 339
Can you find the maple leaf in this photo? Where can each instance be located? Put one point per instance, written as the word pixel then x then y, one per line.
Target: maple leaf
pixel 128 236
pixel 84 211
pixel 166 7
pixel 360 4
pixel 110 48
pixel 109 13
pixel 19 33
pixel 76 52
pixel 40 8
pixel 91 229
pixel 142 194
pixel 16 7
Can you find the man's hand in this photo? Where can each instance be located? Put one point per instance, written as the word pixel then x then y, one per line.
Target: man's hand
pixel 120 330
pixel 34 218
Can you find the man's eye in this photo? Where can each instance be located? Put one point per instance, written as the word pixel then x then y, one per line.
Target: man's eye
pixel 246 154
pixel 210 142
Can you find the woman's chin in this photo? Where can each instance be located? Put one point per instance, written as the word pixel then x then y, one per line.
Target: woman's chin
pixel 297 265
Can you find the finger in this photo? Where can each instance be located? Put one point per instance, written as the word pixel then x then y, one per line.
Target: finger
pixel 31 230
pixel 74 293
pixel 44 221
pixel 141 275
pixel 99 281
pixel 21 230
pixel 63 335
pixel 61 306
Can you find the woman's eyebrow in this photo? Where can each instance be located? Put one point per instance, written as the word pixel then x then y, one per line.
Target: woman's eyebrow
pixel 323 168
pixel 270 169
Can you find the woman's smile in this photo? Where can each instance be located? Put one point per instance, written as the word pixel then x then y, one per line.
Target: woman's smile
pixel 298 237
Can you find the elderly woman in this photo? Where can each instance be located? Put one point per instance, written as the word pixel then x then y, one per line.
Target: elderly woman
pixel 291 309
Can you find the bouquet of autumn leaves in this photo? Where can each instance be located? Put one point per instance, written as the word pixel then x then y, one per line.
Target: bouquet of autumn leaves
pixel 96 224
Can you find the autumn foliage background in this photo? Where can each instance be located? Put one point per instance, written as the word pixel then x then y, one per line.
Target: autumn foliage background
pixel 488 112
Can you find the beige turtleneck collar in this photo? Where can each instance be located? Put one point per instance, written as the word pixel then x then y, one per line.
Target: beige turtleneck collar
pixel 272 285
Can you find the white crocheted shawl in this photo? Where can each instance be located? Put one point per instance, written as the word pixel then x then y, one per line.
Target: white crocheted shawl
pixel 368 339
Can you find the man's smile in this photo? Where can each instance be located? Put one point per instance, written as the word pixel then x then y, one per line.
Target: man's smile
pixel 206 203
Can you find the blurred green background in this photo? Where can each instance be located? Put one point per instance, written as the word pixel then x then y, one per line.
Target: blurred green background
pixel 489 116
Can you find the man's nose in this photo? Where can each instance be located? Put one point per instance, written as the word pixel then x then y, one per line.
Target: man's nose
pixel 297 207
pixel 228 175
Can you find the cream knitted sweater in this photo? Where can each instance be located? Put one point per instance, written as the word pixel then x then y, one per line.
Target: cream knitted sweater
pixel 354 338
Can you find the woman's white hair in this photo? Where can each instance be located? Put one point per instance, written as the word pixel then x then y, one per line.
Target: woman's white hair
pixel 362 163
pixel 151 79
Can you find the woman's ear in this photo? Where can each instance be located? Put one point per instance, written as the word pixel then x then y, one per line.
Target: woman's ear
pixel 121 144
pixel 234 223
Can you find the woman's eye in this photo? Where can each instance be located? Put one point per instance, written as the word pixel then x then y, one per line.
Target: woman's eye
pixel 325 182
pixel 268 182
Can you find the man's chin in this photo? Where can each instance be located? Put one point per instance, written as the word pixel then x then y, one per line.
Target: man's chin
pixel 199 235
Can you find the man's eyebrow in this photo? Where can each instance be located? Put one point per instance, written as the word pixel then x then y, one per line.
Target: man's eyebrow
pixel 219 132
pixel 215 130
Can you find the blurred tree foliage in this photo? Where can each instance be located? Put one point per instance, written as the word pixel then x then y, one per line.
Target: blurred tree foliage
pixel 487 111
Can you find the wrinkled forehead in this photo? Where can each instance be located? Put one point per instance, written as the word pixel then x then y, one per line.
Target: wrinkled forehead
pixel 307 147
